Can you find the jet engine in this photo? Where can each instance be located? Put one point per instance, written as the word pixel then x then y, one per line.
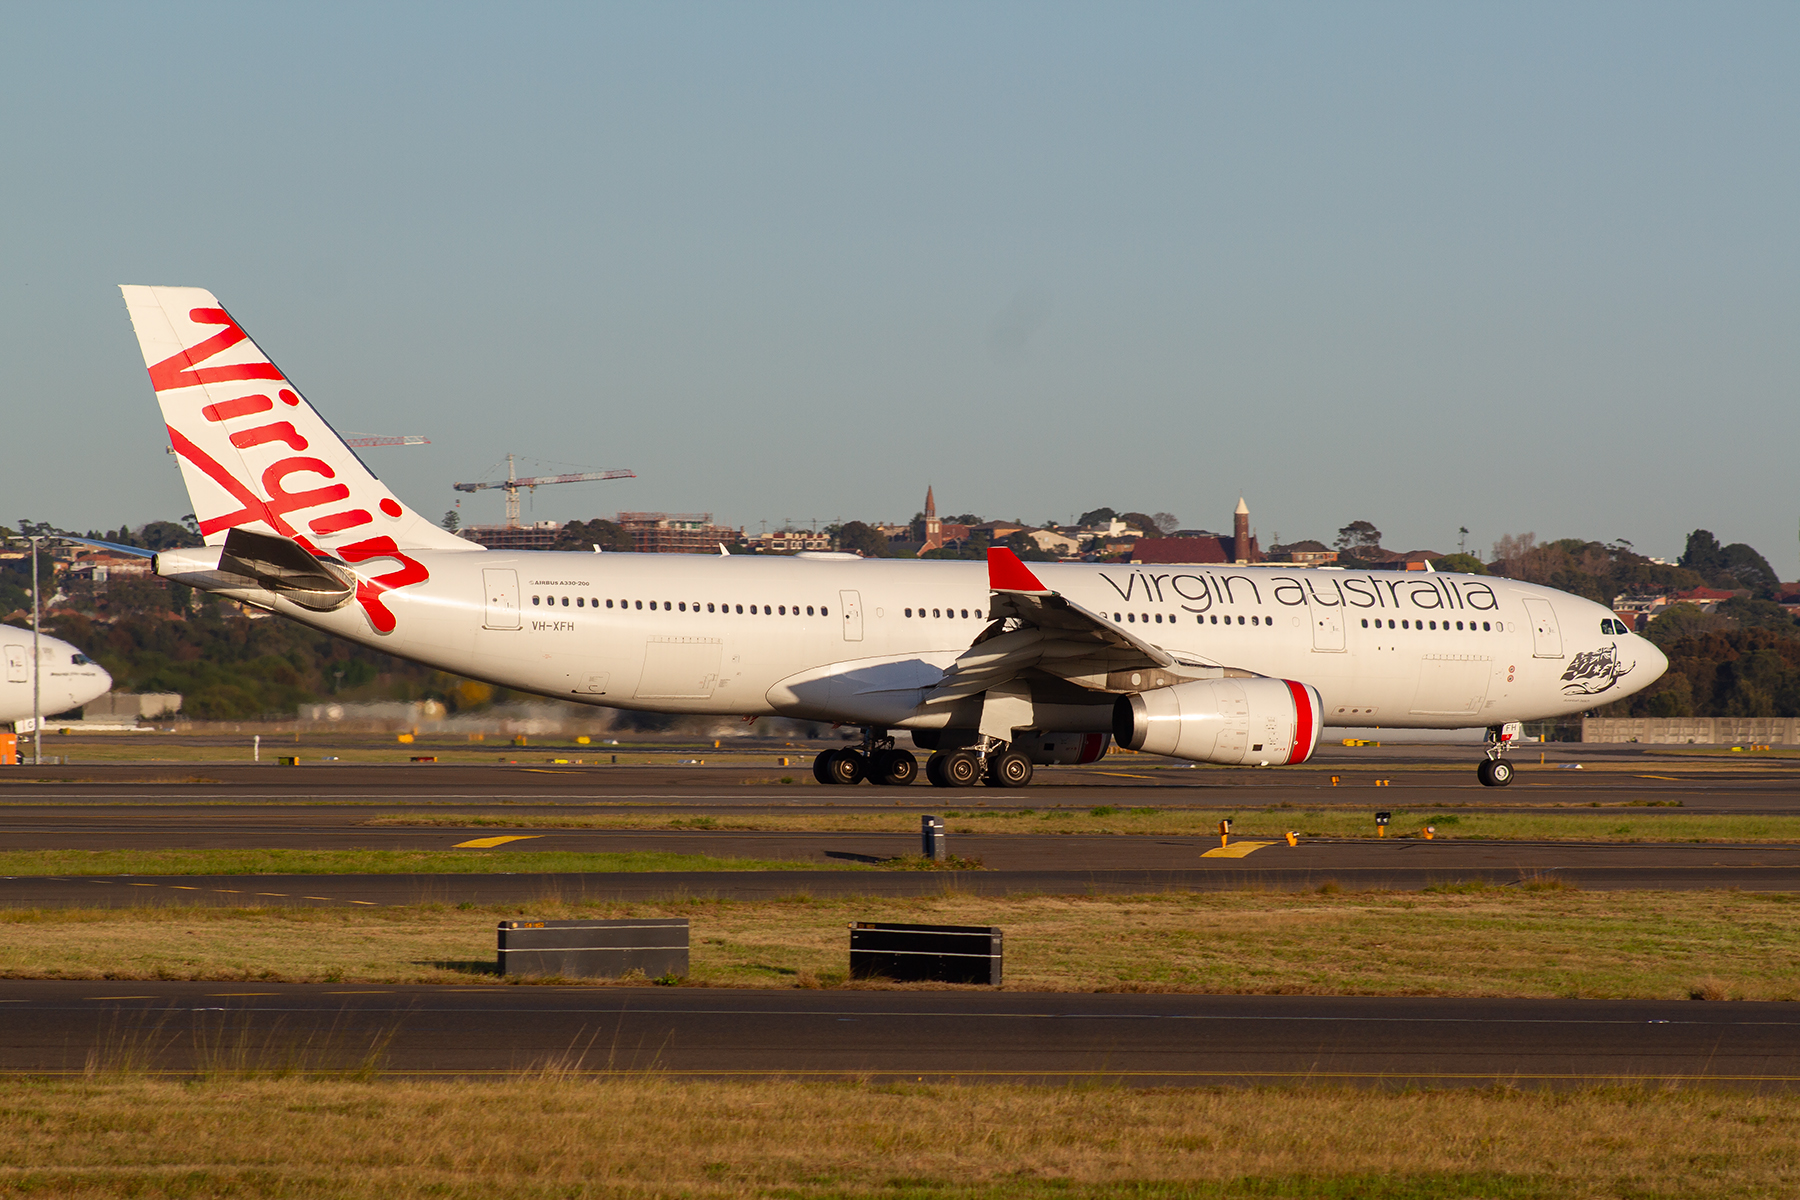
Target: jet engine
pixel 1260 722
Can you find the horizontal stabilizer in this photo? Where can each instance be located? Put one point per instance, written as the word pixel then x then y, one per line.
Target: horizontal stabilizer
pixel 284 567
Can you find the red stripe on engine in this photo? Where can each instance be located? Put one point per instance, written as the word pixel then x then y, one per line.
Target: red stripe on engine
pixel 1303 722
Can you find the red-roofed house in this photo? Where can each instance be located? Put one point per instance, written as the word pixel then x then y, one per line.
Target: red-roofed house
pixel 1705 598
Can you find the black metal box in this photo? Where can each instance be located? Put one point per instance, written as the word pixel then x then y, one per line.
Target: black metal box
pixel 920 953
pixel 656 946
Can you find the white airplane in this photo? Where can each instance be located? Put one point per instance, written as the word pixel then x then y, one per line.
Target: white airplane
pixel 69 678
pixel 993 667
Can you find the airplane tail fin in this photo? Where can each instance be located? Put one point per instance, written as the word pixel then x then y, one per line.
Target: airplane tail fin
pixel 254 454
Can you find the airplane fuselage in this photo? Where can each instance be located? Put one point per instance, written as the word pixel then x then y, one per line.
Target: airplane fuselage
pixel 860 640
pixel 68 678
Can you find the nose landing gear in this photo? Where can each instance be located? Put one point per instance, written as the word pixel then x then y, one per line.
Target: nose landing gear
pixel 1494 770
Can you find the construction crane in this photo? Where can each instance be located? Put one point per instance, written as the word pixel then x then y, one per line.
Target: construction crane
pixel 512 483
pixel 360 440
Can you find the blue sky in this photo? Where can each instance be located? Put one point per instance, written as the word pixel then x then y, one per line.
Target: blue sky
pixel 1515 267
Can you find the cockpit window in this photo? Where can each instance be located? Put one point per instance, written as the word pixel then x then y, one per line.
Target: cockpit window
pixel 81 660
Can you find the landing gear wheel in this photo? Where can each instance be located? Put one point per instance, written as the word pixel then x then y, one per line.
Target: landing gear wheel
pixel 893 768
pixel 845 767
pixel 1496 773
pixel 955 769
pixel 1009 770
pixel 821 767
pixel 934 771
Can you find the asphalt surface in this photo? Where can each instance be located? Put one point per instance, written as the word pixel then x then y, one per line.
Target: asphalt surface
pixel 1606 777
pixel 961 1034
pixel 331 807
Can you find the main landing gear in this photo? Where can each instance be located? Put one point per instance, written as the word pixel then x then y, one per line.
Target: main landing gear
pixel 880 762
pixel 1494 770
pixel 990 763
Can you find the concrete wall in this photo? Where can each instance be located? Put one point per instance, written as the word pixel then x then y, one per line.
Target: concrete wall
pixel 1700 731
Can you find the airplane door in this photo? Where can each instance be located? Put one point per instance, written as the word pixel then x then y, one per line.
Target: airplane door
pixel 853 623
pixel 1546 638
pixel 1327 623
pixel 15 664
pixel 502 585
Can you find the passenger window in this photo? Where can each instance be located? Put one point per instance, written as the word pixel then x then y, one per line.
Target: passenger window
pixel 1240 620
pixel 1131 617
pixel 823 611
pixel 1159 618
pixel 534 599
pixel 1484 626
pixel 1406 625
pixel 1215 619
pixel 740 608
pixel 965 613
pixel 1365 622
pixel 934 612
pixel 783 610
pixel 1434 624
pixel 909 612
pixel 809 610
pixel 565 602
pixel 1117 617
pixel 767 611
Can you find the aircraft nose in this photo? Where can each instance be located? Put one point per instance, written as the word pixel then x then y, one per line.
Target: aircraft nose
pixel 1653 660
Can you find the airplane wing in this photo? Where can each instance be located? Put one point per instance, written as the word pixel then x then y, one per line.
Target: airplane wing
pixel 1036 629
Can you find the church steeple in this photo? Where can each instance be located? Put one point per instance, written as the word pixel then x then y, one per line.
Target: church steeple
pixel 934 529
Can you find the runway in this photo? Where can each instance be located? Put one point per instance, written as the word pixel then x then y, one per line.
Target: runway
pixel 1609 778
pixel 962 1034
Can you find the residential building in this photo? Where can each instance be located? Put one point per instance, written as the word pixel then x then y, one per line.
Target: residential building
pixel 1051 541
pixel 98 568
pixel 1305 553
pixel 539 535
pixel 1706 599
pixel 790 541
pixel 676 533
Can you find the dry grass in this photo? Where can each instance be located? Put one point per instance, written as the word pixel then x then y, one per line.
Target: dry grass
pixel 1624 818
pixel 1461 940
pixel 551 1136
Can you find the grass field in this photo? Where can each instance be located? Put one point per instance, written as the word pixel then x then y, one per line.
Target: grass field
pixel 549 1135
pixel 1618 822
pixel 1460 941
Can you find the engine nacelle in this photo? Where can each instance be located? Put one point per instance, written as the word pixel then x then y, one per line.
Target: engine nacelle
pixel 1232 721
